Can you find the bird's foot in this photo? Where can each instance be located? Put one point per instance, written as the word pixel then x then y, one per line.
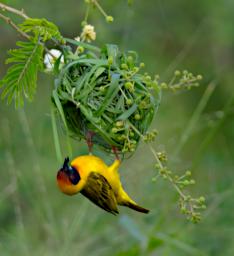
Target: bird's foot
pixel 115 151
pixel 89 136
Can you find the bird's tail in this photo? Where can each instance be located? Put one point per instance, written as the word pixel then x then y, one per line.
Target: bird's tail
pixel 136 207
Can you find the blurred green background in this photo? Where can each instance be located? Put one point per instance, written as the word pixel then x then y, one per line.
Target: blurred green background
pixel 36 219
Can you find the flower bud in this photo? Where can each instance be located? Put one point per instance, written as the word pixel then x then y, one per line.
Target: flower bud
pixel 124 66
pixel 137 117
pixel 119 123
pixel 129 102
pixel 177 73
pixel 109 19
pixel 114 130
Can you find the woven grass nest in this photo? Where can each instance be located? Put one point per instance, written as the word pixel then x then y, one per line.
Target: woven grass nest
pixel 103 91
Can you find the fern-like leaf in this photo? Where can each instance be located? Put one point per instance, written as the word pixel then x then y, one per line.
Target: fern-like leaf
pixel 42 28
pixel 20 80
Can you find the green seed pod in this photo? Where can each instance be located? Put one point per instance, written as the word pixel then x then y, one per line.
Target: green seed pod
pixel 186 182
pixel 137 117
pixel 164 85
pixel 114 130
pixel 177 73
pixel 148 78
pixel 83 23
pixel 202 199
pixel 102 88
pixel 192 182
pixel 129 102
pixel 135 69
pixel 109 19
pixel 130 59
pixel 131 134
pixel 119 124
pixel 183 210
pixel 128 85
pixel 110 60
pixel 188 173
pixel 124 66
pixel 80 49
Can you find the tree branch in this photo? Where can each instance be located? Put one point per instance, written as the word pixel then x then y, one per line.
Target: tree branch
pixel 21 13
pixel 10 22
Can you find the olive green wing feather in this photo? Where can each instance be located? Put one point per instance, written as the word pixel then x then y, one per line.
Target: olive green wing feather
pixel 98 190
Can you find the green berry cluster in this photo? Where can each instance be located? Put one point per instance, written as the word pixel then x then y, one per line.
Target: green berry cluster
pixel 180 80
pixel 150 136
pixel 137 101
pixel 125 134
pixel 189 206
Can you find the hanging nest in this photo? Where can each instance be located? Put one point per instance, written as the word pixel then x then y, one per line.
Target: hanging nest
pixel 105 93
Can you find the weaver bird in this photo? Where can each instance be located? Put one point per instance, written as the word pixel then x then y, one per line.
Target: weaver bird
pixel 100 183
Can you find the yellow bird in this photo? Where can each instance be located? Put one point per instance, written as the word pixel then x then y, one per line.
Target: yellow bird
pixel 100 183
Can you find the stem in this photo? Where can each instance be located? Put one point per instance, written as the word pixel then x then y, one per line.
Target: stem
pixel 87 13
pixel 11 23
pixel 95 2
pixel 183 196
pixel 56 136
pixel 168 177
pixel 21 13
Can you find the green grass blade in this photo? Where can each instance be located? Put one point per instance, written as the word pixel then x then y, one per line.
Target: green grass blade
pixel 56 137
pixel 110 94
pixel 128 113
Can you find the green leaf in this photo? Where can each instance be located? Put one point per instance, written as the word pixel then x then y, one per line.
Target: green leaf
pixel 99 71
pixel 112 52
pixel 42 28
pixel 21 78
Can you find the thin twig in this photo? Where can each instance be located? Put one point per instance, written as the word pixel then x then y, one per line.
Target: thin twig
pixel 21 13
pixel 169 178
pixel 11 23
pixel 95 2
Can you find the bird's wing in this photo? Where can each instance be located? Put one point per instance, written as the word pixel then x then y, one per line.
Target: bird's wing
pixel 98 190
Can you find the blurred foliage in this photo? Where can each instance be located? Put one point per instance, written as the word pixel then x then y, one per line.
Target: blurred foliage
pixel 35 219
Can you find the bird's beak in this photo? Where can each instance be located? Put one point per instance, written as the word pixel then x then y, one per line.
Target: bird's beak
pixel 65 164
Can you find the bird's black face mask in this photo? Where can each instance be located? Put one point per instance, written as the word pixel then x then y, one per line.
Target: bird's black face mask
pixel 71 172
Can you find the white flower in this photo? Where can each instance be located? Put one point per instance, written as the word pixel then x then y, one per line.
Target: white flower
pixel 77 39
pixel 51 57
pixel 88 34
